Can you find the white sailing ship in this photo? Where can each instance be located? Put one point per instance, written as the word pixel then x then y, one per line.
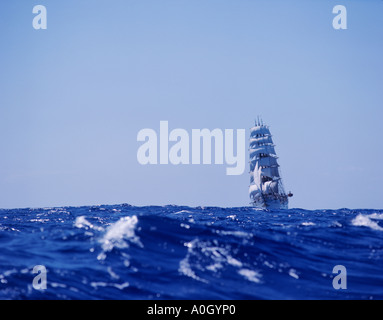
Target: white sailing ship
pixel 266 189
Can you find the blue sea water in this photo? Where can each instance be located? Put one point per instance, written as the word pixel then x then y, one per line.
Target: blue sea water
pixel 177 252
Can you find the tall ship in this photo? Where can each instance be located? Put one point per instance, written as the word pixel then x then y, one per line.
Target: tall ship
pixel 266 188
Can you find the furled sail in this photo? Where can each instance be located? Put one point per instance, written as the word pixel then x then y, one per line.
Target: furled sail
pixel 255 142
pixel 259 130
pixel 263 150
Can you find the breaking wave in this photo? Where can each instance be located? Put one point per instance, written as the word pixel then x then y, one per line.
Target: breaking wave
pixel 177 252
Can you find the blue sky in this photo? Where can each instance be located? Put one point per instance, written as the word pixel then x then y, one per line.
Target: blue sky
pixel 74 96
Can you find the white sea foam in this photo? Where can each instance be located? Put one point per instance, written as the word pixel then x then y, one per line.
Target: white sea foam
pixel 240 234
pixel 216 258
pixel 234 262
pixel 186 270
pixel 337 224
pixel 293 273
pixel 366 221
pixel 119 286
pixel 120 233
pixel 183 211
pixel 184 265
pixel 250 275
pixel 81 222
pixel 376 216
pixel 58 285
pixel 308 224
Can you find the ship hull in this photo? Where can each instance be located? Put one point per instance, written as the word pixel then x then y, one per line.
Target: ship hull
pixel 272 203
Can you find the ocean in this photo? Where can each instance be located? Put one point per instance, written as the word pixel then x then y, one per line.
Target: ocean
pixel 179 252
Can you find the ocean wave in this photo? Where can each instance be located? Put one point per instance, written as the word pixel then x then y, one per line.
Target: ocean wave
pixel 171 252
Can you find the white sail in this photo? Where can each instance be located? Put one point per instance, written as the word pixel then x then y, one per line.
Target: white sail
pixel 254 189
pixel 257 176
pixel 268 161
pixel 257 197
pixel 274 186
pixel 270 172
pixel 266 187
pixel 270 187
pixel 264 161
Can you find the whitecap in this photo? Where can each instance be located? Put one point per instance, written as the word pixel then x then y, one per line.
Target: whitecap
pixel 337 224
pixel 112 273
pixel 81 222
pixel 240 234
pixel 120 231
pixel 364 221
pixel 376 216
pixel 216 258
pixel 121 286
pixel 234 262
pixel 184 265
pixel 183 211
pixel 251 275
pixel 293 273
pixel 186 270
pixel 58 285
